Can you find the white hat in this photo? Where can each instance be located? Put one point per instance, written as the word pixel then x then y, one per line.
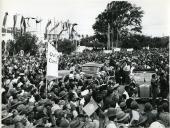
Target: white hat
pixel 19 84
pixel 71 76
pixel 156 125
pixel 85 92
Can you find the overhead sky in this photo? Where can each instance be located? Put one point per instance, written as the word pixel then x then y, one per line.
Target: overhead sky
pixel 156 21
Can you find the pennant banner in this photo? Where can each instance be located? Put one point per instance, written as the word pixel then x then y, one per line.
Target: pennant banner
pixel 55 27
pixel 38 21
pixel 130 49
pixel 5 19
pixel 21 24
pixel 46 28
pixel 15 20
pixel 72 31
pixel 52 62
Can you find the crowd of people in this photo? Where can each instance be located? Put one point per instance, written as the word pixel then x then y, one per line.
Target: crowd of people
pixel 29 100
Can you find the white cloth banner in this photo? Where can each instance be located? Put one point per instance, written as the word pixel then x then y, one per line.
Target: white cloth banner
pixel 107 51
pixel 52 62
pixel 130 49
pixel 117 49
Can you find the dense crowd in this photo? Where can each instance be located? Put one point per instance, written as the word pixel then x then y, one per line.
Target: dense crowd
pixel 29 100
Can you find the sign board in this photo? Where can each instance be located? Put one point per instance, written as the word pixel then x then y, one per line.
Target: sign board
pixel 91 107
pixel 130 49
pixel 107 51
pixel 22 53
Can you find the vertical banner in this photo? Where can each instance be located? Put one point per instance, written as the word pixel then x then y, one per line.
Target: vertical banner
pixel 46 29
pixel 52 62
pixel 5 19
pixel 15 21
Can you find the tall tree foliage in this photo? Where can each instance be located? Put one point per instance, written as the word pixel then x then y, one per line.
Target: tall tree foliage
pixel 66 46
pixel 26 42
pixel 123 17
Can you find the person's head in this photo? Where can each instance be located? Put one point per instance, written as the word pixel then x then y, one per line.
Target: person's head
pixel 153 76
pixel 123 105
pixel 134 105
pixel 111 113
pixel 148 107
pixel 122 117
pixel 162 75
pixel 127 88
pixel 165 107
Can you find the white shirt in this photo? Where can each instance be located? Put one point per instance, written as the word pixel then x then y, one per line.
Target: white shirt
pixel 127 95
pixel 126 68
pixel 111 124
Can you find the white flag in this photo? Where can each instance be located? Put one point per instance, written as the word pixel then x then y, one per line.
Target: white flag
pixel 52 62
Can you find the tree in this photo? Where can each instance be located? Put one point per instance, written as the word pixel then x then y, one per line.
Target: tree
pixel 26 42
pixel 92 41
pixel 137 41
pixel 123 18
pixel 66 46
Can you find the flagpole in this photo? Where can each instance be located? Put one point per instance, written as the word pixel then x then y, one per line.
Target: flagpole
pixel 46 72
pixel 46 87
pixel 54 28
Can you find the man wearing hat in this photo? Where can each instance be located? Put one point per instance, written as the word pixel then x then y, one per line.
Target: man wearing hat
pixel 76 124
pixel 111 114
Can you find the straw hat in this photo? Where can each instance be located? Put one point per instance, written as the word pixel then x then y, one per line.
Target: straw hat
pixel 121 116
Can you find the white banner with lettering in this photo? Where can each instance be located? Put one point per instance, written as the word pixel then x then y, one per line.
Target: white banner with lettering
pixel 52 62
pixel 130 49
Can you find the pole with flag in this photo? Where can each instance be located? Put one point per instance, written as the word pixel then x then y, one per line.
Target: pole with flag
pixel 5 19
pixel 4 24
pixel 46 28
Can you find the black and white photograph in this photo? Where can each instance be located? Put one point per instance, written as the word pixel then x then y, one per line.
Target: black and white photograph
pixel 84 63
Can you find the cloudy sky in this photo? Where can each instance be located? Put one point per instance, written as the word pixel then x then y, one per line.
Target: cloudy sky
pixel 156 21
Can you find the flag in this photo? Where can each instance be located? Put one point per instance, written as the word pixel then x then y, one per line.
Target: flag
pixel 28 18
pixel 75 24
pixel 64 26
pixel 48 24
pixel 55 27
pixel 21 24
pixel 72 30
pixel 91 107
pixel 24 25
pixel 52 62
pixel 46 28
pixel 5 19
pixel 38 21
pixel 15 20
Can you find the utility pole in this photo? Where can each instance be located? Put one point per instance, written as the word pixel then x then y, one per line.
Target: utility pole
pixel 108 37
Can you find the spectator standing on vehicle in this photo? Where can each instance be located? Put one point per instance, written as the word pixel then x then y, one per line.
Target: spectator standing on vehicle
pixel 164 88
pixel 154 88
